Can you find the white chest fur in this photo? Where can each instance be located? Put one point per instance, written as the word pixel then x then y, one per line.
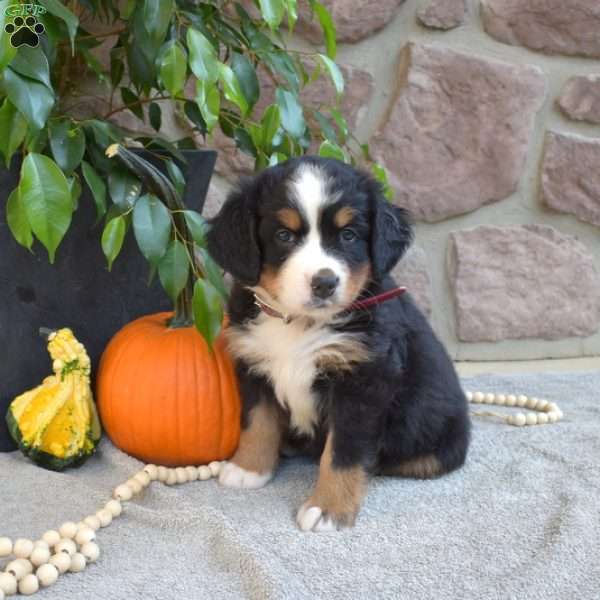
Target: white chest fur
pixel 290 356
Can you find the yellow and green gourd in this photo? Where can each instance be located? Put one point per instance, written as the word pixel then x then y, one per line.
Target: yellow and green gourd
pixel 56 424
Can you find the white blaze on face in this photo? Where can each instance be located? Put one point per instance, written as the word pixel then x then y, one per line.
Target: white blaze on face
pixel 308 188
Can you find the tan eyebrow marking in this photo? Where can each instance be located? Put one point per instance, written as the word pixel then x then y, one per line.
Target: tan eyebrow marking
pixel 344 216
pixel 290 217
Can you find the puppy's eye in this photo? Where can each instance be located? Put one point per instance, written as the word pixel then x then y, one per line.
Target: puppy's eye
pixel 285 236
pixel 348 235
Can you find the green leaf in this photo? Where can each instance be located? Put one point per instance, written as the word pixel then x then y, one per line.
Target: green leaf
pixel 75 187
pixel 16 219
pixel 157 17
pixel 124 188
pixel 212 272
pixel 291 7
pixel 33 99
pixel 203 57
pixel 246 76
pixel 7 50
pixel 334 73
pixel 45 193
pixel 232 89
pixel 197 226
pixel 117 66
pixel 12 130
pixel 272 11
pixel 208 310
pixel 292 118
pixel 155 115
pixel 132 102
pixel 330 150
pixel 328 27
pixel 58 9
pixel 97 187
pixel 176 176
pixel 172 70
pixel 341 123
pixel 192 112
pixel 151 227
pixel 281 63
pixel 112 239
pixel 270 123
pixel 245 142
pixel 141 68
pixel 381 176
pixel 67 143
pixel 32 63
pixel 327 128
pixel 173 269
pixel 208 100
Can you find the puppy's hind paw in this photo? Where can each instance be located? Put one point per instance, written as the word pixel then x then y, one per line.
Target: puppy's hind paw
pixel 234 476
pixel 312 518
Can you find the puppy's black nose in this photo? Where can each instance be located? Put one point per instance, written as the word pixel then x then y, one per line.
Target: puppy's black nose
pixel 323 283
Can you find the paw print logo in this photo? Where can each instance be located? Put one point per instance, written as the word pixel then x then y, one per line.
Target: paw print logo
pixel 24 31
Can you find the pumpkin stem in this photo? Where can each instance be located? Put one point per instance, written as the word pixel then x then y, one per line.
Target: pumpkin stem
pixel 183 316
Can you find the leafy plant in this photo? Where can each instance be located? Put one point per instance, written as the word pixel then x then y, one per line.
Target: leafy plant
pixel 201 61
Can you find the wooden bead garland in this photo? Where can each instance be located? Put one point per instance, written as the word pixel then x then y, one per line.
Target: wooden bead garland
pixel 71 548
pixel 546 412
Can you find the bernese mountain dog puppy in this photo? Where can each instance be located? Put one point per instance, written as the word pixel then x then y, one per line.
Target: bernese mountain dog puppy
pixel 371 391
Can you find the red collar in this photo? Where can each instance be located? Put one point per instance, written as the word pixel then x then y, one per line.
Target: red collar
pixel 356 305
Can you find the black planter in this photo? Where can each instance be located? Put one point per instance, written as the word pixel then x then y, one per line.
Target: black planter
pixel 77 291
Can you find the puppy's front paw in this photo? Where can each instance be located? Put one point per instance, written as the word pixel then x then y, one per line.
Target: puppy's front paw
pixel 311 517
pixel 234 476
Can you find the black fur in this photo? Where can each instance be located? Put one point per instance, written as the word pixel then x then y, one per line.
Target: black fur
pixel 407 401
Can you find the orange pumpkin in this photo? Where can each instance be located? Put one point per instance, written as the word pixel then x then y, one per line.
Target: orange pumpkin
pixel 165 398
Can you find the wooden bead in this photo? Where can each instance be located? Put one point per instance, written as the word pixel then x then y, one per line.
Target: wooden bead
pixel 8 583
pixel 531 419
pixel 542 404
pixel 93 522
pixel 500 399
pixel 85 535
pixel 66 545
pixel 47 574
pixel 181 475
pixel 489 398
pixel 552 417
pixel 62 561
pixel 142 478
pixel 39 556
pixel 29 585
pixel 192 473
pixel 123 493
pixel 542 418
pixel 19 568
pixel 162 474
pixel 2 596
pixel 22 548
pixel 171 477
pixel 519 420
pixel 136 486
pixel 204 473
pixel 114 507
pixel 152 471
pixel 105 517
pixel 41 544
pixel 91 552
pixel 532 403
pixel 78 563
pixel 68 529
pixel 521 400
pixel 478 397
pixel 551 407
pixel 215 468
pixel 511 400
pixel 6 547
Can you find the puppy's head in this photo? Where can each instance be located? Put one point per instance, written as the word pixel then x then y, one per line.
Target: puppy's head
pixel 311 233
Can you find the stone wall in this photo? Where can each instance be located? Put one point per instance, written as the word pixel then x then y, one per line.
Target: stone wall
pixel 487 115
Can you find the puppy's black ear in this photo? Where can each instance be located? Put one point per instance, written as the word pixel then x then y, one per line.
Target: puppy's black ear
pixel 391 234
pixel 232 238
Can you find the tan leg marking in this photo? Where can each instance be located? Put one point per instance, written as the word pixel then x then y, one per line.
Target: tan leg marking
pixel 338 493
pixel 258 450
pixel 423 467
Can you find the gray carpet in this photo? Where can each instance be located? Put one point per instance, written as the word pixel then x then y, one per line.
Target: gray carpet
pixel 521 520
